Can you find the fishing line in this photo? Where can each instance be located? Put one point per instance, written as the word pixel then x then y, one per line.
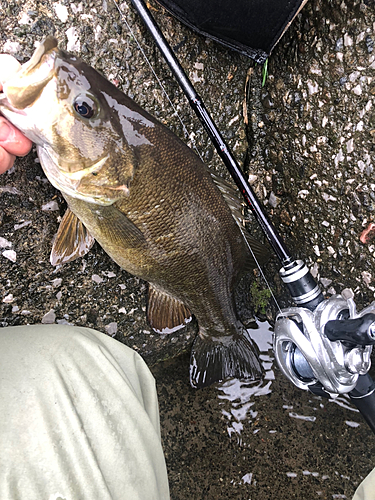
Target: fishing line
pixel 157 79
pixel 260 270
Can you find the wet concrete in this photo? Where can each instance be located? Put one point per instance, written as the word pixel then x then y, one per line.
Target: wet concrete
pixel 307 140
pixel 261 441
pixel 312 134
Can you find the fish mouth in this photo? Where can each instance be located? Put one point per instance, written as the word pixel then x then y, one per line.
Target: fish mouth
pixel 47 45
pixel 23 88
pixel 4 102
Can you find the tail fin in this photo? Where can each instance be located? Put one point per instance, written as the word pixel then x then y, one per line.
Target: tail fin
pixel 212 360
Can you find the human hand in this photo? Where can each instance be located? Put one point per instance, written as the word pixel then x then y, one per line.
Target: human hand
pixel 12 142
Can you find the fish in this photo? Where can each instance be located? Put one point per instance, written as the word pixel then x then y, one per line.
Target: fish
pixel 152 204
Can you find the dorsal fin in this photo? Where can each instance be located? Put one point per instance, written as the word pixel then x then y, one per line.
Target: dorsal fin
pixel 165 313
pixel 234 201
pixel 231 196
pixel 72 240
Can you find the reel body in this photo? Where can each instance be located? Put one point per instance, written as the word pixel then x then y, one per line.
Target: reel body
pixel 325 350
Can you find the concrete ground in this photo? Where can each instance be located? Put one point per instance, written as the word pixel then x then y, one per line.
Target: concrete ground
pixel 306 140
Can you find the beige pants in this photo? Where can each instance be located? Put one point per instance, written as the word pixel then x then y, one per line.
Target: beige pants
pixel 79 418
pixel 366 490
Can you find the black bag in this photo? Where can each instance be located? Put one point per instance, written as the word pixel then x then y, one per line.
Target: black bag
pixel 252 27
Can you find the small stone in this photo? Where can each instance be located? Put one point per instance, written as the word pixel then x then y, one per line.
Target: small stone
pixel 97 278
pixel 368 234
pixel 49 318
pixel 273 200
pixel 64 322
pixel 23 224
pixel 74 43
pixel 366 276
pixel 50 206
pixel 347 293
pixel 10 254
pixel 8 299
pixel 61 12
pixel 350 146
pixel 56 282
pixel 348 41
pixel 4 243
pixel 325 282
pixel 12 65
pixel 109 274
pixel 111 329
pixel 350 423
pixel 314 270
pixel 328 197
pixel 303 193
pixel 76 8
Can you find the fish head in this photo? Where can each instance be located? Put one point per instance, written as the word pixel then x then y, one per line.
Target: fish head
pixel 59 103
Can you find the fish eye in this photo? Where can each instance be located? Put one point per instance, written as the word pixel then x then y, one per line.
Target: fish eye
pixel 85 106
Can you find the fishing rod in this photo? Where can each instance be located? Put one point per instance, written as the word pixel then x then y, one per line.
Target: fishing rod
pixel 294 273
pixel 322 345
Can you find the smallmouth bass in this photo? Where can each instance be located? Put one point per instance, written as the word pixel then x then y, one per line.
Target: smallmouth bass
pixel 148 200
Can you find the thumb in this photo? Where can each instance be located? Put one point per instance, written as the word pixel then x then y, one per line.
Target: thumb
pixel 12 140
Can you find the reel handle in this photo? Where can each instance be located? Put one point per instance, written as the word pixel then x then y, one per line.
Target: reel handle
pixel 357 331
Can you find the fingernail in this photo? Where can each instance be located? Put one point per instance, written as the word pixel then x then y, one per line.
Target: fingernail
pixel 4 131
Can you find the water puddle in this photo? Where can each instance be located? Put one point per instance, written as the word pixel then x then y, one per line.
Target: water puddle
pixel 344 402
pixel 238 398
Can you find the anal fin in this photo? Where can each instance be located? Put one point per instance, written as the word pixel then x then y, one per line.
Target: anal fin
pixel 72 240
pixel 215 360
pixel 165 313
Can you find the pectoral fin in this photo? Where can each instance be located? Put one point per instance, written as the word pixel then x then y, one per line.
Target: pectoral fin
pixel 115 227
pixel 72 240
pixel 165 313
pixel 108 224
